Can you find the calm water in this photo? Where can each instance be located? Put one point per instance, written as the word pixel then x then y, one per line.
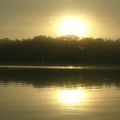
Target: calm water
pixel 55 94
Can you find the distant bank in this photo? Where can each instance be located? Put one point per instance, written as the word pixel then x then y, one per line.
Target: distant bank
pixel 65 50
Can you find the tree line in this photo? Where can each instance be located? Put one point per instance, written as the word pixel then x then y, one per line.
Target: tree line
pixel 64 50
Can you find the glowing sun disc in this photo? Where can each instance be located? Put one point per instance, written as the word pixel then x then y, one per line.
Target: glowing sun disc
pixel 72 26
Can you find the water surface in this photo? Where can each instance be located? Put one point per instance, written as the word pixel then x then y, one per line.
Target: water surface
pixel 55 94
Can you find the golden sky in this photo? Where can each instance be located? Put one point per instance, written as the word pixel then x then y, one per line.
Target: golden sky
pixel 28 18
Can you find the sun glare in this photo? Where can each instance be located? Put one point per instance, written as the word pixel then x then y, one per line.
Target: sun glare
pixel 71 97
pixel 72 26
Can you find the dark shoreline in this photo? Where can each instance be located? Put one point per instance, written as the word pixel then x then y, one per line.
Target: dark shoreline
pixel 66 50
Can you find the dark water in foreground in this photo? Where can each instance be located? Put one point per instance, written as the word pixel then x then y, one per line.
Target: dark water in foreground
pixel 55 94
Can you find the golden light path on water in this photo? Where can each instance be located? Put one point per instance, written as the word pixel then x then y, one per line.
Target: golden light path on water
pixel 72 96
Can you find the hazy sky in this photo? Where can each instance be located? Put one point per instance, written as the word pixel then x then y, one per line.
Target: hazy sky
pixel 28 18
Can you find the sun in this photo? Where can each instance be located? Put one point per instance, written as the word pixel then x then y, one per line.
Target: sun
pixel 72 26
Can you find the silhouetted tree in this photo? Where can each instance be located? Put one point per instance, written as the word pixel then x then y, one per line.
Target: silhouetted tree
pixel 64 50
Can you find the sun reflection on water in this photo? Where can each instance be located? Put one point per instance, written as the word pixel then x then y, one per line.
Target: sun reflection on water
pixel 72 96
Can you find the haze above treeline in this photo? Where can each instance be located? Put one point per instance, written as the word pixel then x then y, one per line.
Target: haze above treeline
pixel 64 50
pixel 27 18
